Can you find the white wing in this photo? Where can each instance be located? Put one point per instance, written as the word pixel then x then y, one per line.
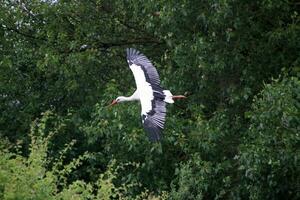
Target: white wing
pixel 151 94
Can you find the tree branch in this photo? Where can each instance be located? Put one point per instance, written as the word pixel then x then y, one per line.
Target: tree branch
pixel 104 46
pixel 28 35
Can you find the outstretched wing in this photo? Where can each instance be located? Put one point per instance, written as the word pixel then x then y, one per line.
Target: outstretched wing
pixel 151 94
pixel 154 120
pixel 137 58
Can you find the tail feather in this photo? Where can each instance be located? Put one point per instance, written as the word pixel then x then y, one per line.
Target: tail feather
pixel 168 96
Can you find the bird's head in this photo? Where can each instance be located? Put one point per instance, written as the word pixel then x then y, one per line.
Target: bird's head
pixel 117 100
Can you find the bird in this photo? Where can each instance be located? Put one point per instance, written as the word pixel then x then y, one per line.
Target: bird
pixel 152 96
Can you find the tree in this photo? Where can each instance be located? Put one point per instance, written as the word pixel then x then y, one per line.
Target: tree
pixel 66 59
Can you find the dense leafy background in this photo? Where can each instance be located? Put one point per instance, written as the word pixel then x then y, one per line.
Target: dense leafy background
pixel 237 136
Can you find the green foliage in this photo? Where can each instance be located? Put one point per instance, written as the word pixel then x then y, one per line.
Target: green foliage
pixel 269 154
pixel 264 165
pixel 31 178
pixel 234 137
pixel 199 179
pixel 27 178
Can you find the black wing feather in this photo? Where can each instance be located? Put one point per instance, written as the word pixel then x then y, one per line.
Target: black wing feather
pixel 136 57
pixel 154 121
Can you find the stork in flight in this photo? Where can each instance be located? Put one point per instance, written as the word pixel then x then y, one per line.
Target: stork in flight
pixel 149 92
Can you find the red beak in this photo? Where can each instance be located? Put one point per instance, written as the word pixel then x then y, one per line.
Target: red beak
pixel 114 102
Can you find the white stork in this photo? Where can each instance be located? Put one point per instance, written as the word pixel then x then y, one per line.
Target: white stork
pixel 149 92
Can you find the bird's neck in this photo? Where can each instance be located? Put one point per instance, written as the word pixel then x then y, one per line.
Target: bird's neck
pixel 131 98
pixel 127 99
pixel 134 97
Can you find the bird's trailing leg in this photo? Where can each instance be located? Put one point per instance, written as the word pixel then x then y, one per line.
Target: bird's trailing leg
pixel 178 97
